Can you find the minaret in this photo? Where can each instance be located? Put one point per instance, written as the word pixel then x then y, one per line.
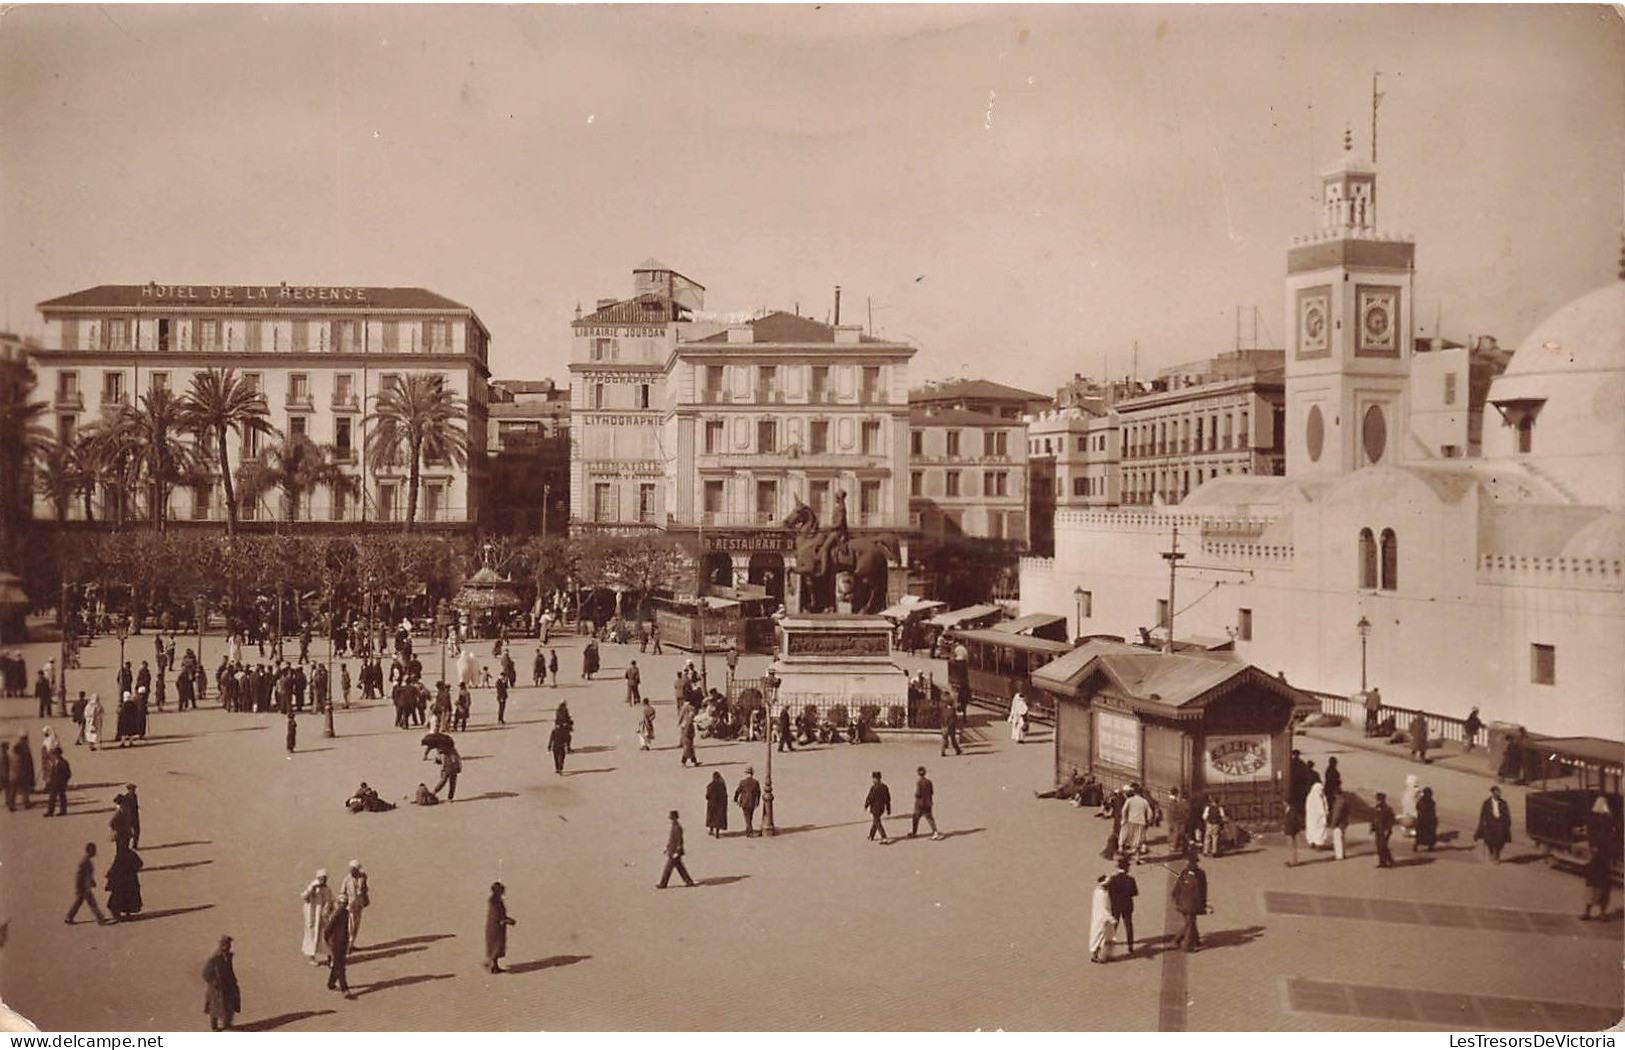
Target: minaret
pixel 1348 307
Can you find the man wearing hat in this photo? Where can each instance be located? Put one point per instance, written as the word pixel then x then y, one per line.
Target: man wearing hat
pixel 337 936
pixel 924 797
pixel 748 792
pixel 878 803
pixel 674 854
pixel 1382 826
pixel 1121 889
pixel 223 999
pixel 496 928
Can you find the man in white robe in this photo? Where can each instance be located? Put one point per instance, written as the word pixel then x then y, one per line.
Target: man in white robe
pixel 318 907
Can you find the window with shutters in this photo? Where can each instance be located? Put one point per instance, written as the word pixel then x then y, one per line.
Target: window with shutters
pixel 386 500
pixel 253 335
pixel 298 426
pixel 869 502
pixel 112 387
pixel 391 337
pixel 598 395
pixel 600 501
pixel 952 479
pixel 646 503
pixel 116 333
pixel 1543 664
pixel 166 331
pixel 713 497
pixel 767 435
pixel 714 436
pixel 643 395
pixel 953 443
pixel 767 500
pixel 343 439
pixel 200 502
pixel 916 443
pixel 818 436
pixel 916 483
pixel 301 336
pixel 871 437
pixel 158 381
pixel 434 502
pixel 338 505
pixel 1078 487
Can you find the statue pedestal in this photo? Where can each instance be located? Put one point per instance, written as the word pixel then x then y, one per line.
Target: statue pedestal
pixel 836 658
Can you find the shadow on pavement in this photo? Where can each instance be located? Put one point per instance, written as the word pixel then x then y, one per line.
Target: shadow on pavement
pixel 166 913
pixel 581 772
pixel 798 828
pixel 961 831
pixel 178 845
pixel 595 749
pixel 721 880
pixel 311 750
pixel 93 787
pixel 402 982
pixel 547 964
pixel 422 938
pixel 1232 938
pixel 374 956
pixel 488 795
pixel 1414 862
pixel 271 1023
pixel 176 867
pixel 92 812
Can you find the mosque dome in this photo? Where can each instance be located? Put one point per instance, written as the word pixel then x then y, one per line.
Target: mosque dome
pixel 1603 538
pixel 1560 405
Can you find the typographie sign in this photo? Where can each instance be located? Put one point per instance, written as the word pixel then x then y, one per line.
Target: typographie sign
pixel 1236 757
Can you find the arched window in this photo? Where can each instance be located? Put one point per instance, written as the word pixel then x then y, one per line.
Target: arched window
pixel 1368 560
pixel 1390 560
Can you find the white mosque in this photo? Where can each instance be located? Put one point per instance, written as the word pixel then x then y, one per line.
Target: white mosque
pixel 1496 581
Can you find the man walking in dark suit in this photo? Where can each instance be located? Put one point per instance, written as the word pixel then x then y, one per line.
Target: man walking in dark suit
pixel 674 854
pixel 337 936
pixel 1190 897
pixel 878 803
pixel 1121 889
pixel 924 798
pixel 84 887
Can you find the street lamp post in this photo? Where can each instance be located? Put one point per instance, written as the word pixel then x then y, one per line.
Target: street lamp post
pixel 1364 627
pixel 769 698
pixel 61 682
pixel 123 632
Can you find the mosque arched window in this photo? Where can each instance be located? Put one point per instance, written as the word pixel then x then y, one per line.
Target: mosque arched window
pixel 1368 560
pixel 1390 560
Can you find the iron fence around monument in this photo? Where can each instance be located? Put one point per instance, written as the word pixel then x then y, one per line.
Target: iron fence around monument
pixel 880 711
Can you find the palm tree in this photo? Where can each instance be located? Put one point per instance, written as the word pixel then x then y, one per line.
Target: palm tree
pixel 295 466
pixel 22 442
pixel 150 438
pixel 423 419
pixel 218 402
pixel 57 476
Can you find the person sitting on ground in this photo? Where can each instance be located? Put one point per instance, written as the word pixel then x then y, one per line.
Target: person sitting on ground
pixel 424 797
pixel 1072 789
pixel 366 800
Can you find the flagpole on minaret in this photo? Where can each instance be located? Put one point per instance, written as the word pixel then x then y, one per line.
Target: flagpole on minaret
pixel 1376 99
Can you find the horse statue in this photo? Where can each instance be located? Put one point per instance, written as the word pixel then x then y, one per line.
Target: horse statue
pixel 823 554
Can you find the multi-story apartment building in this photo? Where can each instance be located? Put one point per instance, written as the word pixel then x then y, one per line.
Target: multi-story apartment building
pixel 1202 424
pixel 528 445
pixel 967 475
pixel 318 355
pixel 1449 385
pixel 618 363
pixel 773 411
pixel 979 395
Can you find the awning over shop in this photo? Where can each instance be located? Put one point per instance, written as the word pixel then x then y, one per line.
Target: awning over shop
pixel 1029 624
pixel 966 617
pixel 910 608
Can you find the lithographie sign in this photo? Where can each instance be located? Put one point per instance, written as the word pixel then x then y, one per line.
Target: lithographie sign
pixel 1236 757
pixel 831 643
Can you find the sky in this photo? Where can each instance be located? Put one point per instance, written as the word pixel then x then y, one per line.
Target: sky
pixel 1021 192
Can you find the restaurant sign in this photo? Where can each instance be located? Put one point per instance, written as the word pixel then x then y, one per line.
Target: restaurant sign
pixel 1233 758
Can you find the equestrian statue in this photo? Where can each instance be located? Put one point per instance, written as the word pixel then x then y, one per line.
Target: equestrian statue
pixel 823 555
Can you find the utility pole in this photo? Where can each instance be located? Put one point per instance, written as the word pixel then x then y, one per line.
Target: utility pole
pixel 1173 557
pixel 547 493
pixel 1376 99
pixel 62 652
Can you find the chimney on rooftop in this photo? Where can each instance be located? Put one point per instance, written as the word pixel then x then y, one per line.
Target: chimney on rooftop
pixel 837 304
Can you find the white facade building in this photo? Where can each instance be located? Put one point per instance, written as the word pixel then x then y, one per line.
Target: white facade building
pixel 1496 582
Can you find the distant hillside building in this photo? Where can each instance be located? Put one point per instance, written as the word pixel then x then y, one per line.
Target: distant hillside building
pixel 529 449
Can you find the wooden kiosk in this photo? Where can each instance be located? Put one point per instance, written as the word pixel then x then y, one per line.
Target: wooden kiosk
pixel 1209 726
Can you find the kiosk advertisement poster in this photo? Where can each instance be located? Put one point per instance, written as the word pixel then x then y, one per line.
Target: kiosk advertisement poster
pixel 1236 757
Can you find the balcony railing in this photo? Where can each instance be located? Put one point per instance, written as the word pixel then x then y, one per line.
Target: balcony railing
pixel 344 455
pixel 768 395
pixel 345 401
pixel 301 400
pixel 114 397
pixel 70 399
pixel 873 396
pixel 714 396
pixel 821 397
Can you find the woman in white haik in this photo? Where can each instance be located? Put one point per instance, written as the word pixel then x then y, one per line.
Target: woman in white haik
pixel 1314 816
pixel 93 720
pixel 318 900
pixel 1018 718
pixel 1101 924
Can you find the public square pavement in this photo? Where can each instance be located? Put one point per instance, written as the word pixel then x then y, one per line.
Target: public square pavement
pixel 815 929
